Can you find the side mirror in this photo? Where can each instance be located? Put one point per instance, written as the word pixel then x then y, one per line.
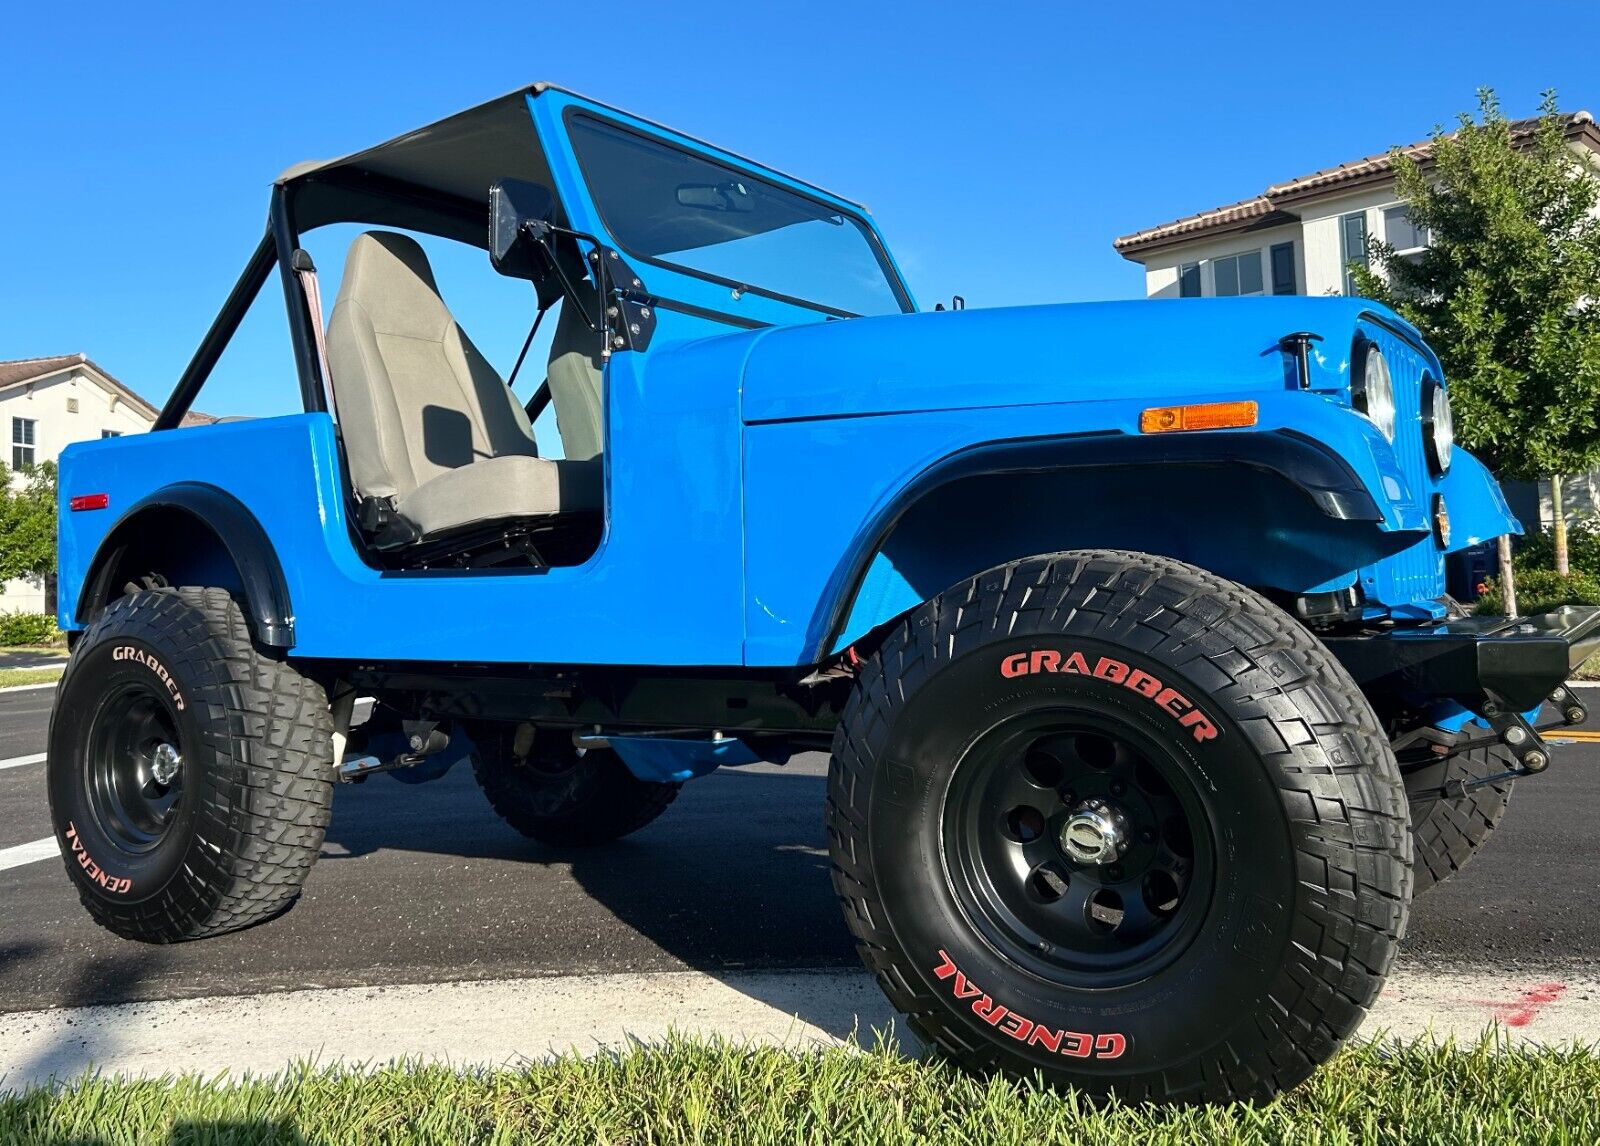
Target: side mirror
pixel 519 212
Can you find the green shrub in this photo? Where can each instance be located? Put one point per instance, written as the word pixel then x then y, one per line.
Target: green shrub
pixel 28 629
pixel 1538 551
pixel 1540 591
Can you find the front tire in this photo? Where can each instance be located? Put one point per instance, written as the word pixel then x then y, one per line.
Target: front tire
pixel 1450 830
pixel 190 775
pixel 1110 818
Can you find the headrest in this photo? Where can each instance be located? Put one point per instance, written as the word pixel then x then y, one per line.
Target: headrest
pixel 388 276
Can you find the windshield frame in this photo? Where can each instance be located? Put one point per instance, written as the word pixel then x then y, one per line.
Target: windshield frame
pixel 782 183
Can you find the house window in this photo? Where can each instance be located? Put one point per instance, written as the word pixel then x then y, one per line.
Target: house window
pixel 1189 280
pixel 1282 258
pixel 1353 229
pixel 1238 274
pixel 21 442
pixel 104 434
pixel 1407 239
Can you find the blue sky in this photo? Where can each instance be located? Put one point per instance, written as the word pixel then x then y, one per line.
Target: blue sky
pixel 1000 146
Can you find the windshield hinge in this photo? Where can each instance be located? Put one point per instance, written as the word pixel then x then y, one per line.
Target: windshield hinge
pixel 630 311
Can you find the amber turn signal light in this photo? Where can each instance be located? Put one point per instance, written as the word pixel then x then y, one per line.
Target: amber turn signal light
pixel 1205 416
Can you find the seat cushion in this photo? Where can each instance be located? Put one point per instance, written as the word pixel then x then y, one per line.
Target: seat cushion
pixel 495 489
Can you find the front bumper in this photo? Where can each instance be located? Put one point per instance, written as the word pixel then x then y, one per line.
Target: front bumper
pixel 1510 664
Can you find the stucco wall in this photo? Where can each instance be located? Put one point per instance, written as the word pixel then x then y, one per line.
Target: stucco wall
pixel 48 404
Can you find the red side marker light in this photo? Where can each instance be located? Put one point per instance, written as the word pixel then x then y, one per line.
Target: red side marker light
pixel 89 501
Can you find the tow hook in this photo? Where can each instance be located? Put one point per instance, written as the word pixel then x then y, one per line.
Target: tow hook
pixel 1524 741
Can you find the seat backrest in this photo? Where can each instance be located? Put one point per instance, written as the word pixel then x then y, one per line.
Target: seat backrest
pixel 574 377
pixel 414 396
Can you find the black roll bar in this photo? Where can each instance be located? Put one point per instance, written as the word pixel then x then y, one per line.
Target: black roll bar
pixel 216 339
pixel 277 246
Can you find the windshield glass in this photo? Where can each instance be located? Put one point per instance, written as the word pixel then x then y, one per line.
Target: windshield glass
pixel 688 212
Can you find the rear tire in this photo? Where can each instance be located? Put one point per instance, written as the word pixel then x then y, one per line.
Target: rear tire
pixel 559 795
pixel 190 775
pixel 1109 818
pixel 1451 830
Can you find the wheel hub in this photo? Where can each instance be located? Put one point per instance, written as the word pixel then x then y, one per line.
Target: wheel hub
pixel 1096 833
pixel 134 768
pixel 164 764
pixel 1079 846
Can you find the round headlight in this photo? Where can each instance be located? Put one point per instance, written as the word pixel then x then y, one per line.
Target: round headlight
pixel 1374 392
pixel 1438 427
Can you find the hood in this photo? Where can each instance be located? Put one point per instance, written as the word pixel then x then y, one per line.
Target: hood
pixel 1164 349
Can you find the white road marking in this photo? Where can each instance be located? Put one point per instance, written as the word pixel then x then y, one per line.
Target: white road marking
pixel 502 1022
pixel 28 853
pixel 21 761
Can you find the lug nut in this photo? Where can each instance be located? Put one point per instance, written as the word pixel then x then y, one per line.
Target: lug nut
pixel 1118 787
pixel 1148 835
pixel 1114 871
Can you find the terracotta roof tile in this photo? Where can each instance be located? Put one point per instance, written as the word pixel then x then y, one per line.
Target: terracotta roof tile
pixel 21 371
pixel 1280 196
pixel 26 369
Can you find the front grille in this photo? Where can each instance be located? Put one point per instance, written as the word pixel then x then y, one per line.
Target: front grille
pixel 1415 575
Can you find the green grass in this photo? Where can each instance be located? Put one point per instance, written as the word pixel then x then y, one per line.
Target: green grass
pixel 10 677
pixel 696 1091
pixel 1588 670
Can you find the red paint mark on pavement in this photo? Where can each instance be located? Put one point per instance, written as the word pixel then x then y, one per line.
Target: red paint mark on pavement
pixel 1526 1007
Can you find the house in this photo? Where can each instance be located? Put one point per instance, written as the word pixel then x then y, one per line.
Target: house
pixel 46 403
pixel 1300 237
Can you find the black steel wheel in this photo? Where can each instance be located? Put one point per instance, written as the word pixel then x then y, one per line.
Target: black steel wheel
pixel 1106 818
pixel 190 774
pixel 134 766
pixel 1077 844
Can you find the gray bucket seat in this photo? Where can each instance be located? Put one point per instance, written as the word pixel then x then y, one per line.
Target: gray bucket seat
pixel 428 424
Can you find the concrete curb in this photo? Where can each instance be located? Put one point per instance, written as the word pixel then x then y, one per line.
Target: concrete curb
pixel 29 687
pixel 495 1023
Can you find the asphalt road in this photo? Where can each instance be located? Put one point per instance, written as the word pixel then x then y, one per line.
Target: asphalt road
pixel 425 884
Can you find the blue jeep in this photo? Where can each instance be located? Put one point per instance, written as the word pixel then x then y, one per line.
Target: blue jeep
pixel 1124 624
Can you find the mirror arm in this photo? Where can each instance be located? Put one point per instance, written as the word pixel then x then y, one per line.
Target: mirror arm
pixel 540 232
pixel 614 279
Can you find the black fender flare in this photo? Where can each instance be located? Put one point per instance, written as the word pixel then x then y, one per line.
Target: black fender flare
pixel 266 592
pixel 1308 465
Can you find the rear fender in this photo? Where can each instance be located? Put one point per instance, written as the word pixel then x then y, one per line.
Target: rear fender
pixel 193 534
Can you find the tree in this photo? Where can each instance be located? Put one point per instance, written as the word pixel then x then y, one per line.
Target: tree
pixel 28 524
pixel 1507 291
